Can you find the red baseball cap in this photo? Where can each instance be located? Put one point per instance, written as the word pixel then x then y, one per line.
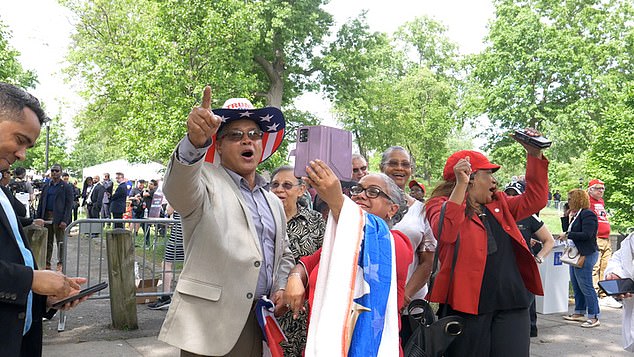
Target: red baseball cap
pixel 595 182
pixel 477 160
pixel 416 183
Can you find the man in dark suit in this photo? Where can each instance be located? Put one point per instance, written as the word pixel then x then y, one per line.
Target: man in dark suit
pixel 56 205
pixel 96 197
pixel 23 289
pixel 117 201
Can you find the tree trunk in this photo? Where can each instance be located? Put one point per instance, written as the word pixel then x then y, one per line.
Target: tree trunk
pixel 275 73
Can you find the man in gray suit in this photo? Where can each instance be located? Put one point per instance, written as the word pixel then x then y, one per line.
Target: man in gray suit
pixel 234 230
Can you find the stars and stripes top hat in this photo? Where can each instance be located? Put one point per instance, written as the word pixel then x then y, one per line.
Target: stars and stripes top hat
pixel 269 119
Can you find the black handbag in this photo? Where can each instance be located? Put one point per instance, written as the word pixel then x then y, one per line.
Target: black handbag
pixel 431 337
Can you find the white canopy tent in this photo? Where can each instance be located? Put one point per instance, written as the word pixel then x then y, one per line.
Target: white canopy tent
pixel 148 171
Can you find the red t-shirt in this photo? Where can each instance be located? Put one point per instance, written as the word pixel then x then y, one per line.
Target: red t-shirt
pixel 602 216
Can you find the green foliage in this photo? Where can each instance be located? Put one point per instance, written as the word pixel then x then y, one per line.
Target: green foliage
pixel 612 160
pixel 144 64
pixel 386 99
pixel 549 65
pixel 11 70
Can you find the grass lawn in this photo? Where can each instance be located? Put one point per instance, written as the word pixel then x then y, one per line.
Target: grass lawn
pixel 551 218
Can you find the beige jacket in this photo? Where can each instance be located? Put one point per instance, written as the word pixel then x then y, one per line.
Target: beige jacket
pixel 215 290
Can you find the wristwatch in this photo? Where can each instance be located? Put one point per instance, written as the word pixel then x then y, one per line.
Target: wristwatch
pixel 538 259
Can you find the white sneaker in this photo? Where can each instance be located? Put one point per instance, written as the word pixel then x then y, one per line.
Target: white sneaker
pixel 609 301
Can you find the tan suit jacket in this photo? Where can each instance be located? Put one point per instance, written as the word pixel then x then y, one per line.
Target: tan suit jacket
pixel 215 291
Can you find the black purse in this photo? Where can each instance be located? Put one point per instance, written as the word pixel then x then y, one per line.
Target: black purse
pixel 431 336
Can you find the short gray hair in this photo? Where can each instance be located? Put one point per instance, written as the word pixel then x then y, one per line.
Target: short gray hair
pixel 385 156
pixel 396 195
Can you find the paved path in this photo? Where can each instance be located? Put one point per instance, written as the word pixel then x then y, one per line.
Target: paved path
pixel 556 338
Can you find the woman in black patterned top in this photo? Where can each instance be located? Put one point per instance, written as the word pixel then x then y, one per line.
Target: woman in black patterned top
pixel 305 229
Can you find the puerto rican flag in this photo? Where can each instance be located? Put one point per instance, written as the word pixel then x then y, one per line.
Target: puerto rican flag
pixel 271 330
pixel 269 119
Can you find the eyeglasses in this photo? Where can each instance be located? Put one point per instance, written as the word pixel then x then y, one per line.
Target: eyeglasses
pixel 237 135
pixel 370 192
pixel 403 164
pixel 286 185
pixel 55 170
pixel 356 170
pixel 599 188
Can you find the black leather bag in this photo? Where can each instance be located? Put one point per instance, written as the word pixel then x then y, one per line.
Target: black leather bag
pixel 432 337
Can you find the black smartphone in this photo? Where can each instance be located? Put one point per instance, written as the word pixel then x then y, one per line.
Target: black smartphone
pixel 617 286
pixel 81 294
pixel 536 141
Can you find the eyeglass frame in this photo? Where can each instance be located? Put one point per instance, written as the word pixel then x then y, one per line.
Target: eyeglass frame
pixel 250 134
pixel 368 193
pixel 285 185
pixel 396 163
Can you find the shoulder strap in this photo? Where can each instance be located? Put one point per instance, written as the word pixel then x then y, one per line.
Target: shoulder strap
pixel 434 269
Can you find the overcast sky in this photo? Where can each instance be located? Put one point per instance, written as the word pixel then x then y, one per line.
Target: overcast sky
pixel 41 29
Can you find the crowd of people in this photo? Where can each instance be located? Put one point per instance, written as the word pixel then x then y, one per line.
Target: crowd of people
pixel 325 252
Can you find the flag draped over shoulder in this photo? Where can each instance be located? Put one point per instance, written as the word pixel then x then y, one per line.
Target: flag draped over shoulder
pixel 355 310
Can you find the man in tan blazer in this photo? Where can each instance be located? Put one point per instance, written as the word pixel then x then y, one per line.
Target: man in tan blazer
pixel 234 230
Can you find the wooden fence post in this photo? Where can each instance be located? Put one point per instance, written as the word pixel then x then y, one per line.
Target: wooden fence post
pixel 120 250
pixel 37 237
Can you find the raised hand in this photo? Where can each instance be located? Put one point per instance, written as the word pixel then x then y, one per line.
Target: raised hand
pixel 202 124
pixel 462 170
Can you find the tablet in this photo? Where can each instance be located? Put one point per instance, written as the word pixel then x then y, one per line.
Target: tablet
pixel 89 290
pixel 617 286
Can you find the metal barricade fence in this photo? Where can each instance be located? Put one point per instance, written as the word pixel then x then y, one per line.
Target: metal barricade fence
pixel 84 253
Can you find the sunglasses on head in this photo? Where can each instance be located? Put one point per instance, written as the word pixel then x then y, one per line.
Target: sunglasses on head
pixel 370 192
pixel 237 135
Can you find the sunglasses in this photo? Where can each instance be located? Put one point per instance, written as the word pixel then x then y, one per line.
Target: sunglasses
pixel 370 192
pixel 286 185
pixel 237 135
pixel 356 170
pixel 55 170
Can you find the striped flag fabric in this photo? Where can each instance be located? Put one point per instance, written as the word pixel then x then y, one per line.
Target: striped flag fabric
pixel 271 330
pixel 355 309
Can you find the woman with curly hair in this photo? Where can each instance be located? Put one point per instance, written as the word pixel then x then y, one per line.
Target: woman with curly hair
pixel 582 231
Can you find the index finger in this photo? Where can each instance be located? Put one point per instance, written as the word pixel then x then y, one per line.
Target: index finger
pixel 206 103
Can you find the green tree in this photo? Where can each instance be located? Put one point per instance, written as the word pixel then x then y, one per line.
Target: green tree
pixel 147 62
pixel 11 71
pixel 385 98
pixel 612 159
pixel 548 65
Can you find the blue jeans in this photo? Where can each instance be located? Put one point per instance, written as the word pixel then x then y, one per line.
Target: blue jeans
pixel 585 295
